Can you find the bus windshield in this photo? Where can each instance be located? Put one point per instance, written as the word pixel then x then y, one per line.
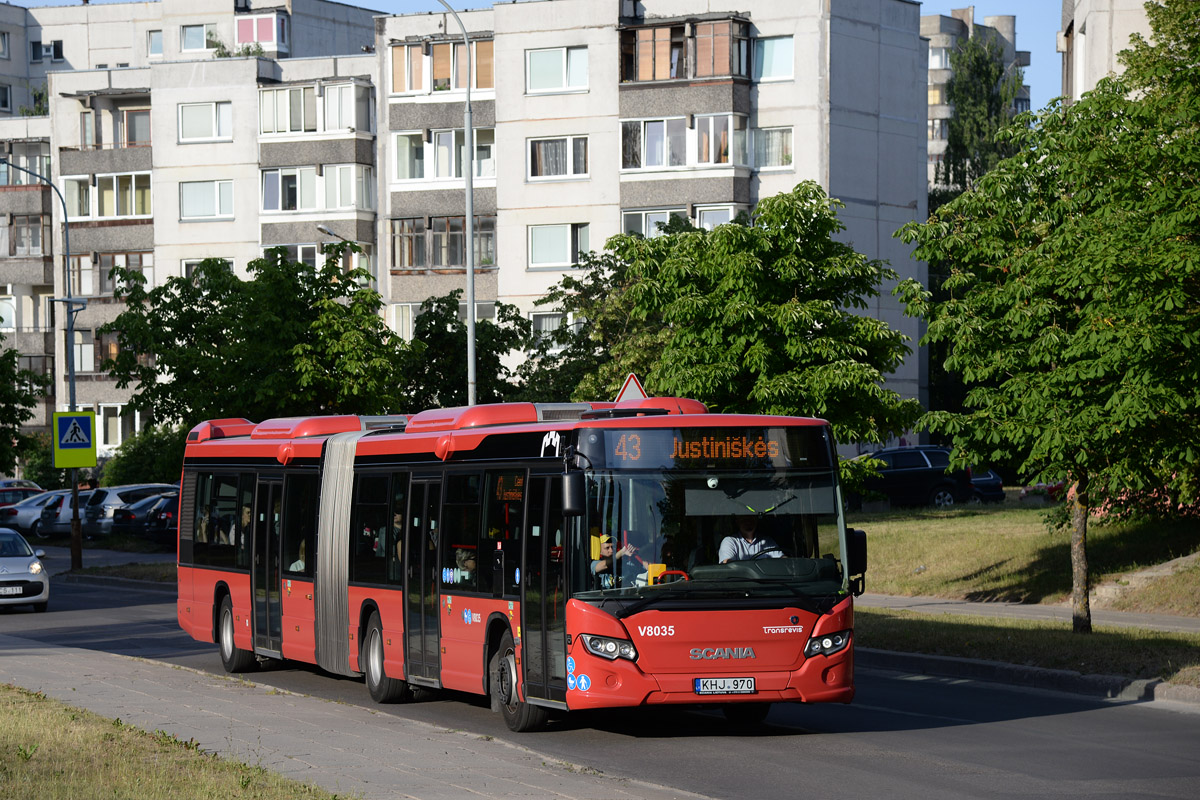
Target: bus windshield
pixel 710 533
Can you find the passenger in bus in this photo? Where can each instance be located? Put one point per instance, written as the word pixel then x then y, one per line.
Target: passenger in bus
pixel 298 564
pixel 603 567
pixel 464 559
pixel 747 544
pixel 205 525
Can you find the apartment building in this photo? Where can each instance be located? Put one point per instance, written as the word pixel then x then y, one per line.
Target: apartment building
pixel 1093 33
pixel 944 34
pixel 589 119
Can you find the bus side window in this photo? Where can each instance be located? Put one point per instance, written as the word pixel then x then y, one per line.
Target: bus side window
pixel 505 502
pixel 460 533
pixel 395 540
pixel 300 523
pixel 368 529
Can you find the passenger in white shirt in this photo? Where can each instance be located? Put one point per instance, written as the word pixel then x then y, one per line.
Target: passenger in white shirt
pixel 748 544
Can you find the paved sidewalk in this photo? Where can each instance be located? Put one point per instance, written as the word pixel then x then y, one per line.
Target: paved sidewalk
pixel 342 748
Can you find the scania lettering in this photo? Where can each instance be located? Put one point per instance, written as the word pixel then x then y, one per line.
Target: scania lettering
pixel 554 557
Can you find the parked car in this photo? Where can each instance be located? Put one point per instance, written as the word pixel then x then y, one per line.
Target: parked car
pixel 98 513
pixel 18 483
pixel 25 517
pixel 986 485
pixel 918 476
pixel 153 517
pixel 56 515
pixel 14 494
pixel 23 578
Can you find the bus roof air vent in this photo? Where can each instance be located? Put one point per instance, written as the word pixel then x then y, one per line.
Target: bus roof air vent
pixel 299 427
pixel 389 422
pixel 558 412
pixel 220 429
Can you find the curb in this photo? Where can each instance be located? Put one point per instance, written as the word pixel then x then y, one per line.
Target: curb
pixel 1108 687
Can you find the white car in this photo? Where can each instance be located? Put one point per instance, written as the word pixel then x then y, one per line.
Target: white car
pixel 23 578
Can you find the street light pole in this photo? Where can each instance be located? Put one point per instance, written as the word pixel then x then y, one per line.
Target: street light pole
pixel 469 142
pixel 73 307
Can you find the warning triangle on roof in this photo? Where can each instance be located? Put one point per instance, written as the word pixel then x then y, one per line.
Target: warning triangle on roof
pixel 631 390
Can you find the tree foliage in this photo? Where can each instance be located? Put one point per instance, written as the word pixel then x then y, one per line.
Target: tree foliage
pixel 155 455
pixel 1073 305
pixel 981 94
pixel 291 340
pixel 435 375
pixel 20 391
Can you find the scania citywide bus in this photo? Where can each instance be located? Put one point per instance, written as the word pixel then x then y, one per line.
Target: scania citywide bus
pixel 552 556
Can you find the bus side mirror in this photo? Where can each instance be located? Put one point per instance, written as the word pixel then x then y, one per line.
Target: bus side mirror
pixel 856 559
pixel 574 494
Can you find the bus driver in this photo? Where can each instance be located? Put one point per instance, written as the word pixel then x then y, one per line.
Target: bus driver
pixel 748 543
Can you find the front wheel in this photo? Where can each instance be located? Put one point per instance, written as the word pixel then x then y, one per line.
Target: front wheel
pixel 382 688
pixel 37 530
pixel 941 497
pixel 503 675
pixel 233 658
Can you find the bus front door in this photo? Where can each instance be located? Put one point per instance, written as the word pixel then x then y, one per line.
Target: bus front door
pixel 268 629
pixel 425 504
pixel 544 597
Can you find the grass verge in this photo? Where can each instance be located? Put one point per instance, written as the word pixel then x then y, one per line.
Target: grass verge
pixel 52 751
pixel 1131 653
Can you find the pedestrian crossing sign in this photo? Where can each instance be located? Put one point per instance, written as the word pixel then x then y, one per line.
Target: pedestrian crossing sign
pixel 74 439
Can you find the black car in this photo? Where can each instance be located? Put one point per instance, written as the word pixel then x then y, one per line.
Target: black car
pixel 153 517
pixel 920 476
pixel 986 485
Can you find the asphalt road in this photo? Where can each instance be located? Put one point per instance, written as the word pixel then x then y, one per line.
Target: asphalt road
pixel 904 736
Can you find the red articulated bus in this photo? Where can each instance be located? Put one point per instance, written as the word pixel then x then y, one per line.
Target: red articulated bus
pixel 551 556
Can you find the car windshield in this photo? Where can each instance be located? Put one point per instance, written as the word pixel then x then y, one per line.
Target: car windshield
pixel 13 545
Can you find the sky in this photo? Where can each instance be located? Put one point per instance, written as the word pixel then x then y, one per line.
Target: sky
pixel 1038 22
pixel 1037 29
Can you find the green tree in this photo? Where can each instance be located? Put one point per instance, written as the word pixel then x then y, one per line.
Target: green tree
pixel 760 318
pixel 291 340
pixel 20 391
pixel 1072 308
pixel 981 93
pixel 154 455
pixel 434 374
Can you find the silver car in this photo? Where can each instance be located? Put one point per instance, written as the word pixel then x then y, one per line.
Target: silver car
pixel 56 514
pixel 98 512
pixel 23 578
pixel 25 517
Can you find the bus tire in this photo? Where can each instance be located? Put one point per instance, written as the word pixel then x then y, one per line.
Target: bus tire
pixel 233 658
pixel 503 675
pixel 746 713
pixel 382 688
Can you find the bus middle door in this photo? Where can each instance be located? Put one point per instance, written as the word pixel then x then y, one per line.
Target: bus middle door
pixel 421 630
pixel 268 626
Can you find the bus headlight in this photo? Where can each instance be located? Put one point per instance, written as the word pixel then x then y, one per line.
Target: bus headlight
pixel 607 647
pixel 827 645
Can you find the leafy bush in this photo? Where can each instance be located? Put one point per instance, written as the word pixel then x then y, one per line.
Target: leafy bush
pixel 153 456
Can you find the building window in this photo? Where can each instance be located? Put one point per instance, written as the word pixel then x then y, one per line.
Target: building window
pixel 938 129
pixel 545 323
pixel 649 223
pixel 939 58
pixel 566 156
pixel 449 66
pixel 205 122
pixel 446 238
pixel 348 106
pixel 28 233
pixel 349 186
pixel 937 95
pixel 653 54
pixel 300 253
pixel 410 156
pixel 773 147
pixel 198 37
pixel 721 139
pixel 205 199
pixel 135 128
pixel 8 313
pixel 39 51
pixel 449 149
pixel 292 189
pixel 87 130
pixel 78 197
pixel 709 218
pixel 154 46
pixel 557 69
pixel 407 73
pixel 485 65
pixel 408 243
pixel 82 275
pixel 557 245
pixel 256 29
pixel 5 97
pixel 721 49
pixel 288 110
pixel 123 195
pixel 142 262
pixel 1021 105
pixel 33 156
pixel 4 52
pixel 773 58
pixel 653 143
pixel 85 351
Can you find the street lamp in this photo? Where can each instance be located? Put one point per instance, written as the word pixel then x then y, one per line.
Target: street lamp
pixel 325 230
pixel 469 141
pixel 73 307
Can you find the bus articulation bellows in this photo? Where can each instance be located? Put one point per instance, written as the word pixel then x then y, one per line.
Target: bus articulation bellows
pixel 551 556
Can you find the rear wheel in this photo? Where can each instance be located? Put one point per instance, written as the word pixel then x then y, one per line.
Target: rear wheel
pixel 233 658
pixel 503 674
pixel 382 688
pixel 35 529
pixel 941 497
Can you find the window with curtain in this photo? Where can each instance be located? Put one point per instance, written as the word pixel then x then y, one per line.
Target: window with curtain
pixel 565 156
pixel 773 147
